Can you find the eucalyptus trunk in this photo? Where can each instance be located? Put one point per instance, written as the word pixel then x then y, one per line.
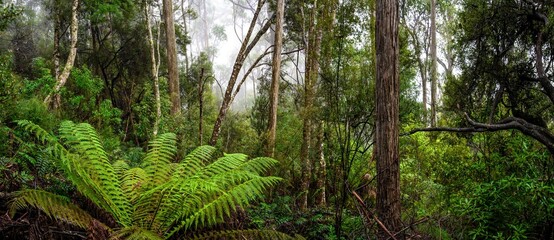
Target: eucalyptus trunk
pixel 275 78
pixel 387 117
pixel 173 71
pixel 433 64
pixel 154 69
pixel 53 100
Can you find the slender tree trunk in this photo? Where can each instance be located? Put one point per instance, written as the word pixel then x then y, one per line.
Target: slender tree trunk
pixel 244 51
pixel 185 28
pixel 387 117
pixel 275 78
pixel 154 71
pixel 315 34
pixel 433 64
pixel 53 100
pixel 173 70
pixel 57 36
pixel 201 107
pixel 322 172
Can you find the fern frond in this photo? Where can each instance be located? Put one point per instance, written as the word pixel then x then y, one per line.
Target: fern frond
pixel 259 165
pixel 42 135
pixel 55 206
pixel 247 234
pixel 132 182
pixel 158 159
pixel 223 164
pixel 89 169
pixel 120 166
pixel 135 233
pixel 194 161
pixel 215 207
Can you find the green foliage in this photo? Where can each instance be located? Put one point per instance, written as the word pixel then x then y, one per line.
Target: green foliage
pixel 159 200
pixel 42 83
pixel 8 13
pixel 314 224
pixel 508 208
pixel 51 204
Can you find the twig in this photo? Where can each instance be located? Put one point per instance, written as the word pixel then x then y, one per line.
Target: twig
pixel 370 215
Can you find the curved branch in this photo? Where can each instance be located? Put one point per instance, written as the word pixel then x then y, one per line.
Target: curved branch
pixel 540 134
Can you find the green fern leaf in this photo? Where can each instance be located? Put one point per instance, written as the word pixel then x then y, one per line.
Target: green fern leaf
pixel 53 205
pixel 246 234
pixel 91 171
pixel 240 195
pixel 132 182
pixel 194 161
pixel 135 233
pixel 158 159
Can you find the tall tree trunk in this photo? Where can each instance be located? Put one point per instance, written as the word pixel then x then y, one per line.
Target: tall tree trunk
pixel 57 36
pixel 315 34
pixel 433 64
pixel 155 68
pixel 275 78
pixel 53 100
pixel 244 51
pixel 387 117
pixel 173 70
pixel 185 28
pixel 322 171
pixel 201 107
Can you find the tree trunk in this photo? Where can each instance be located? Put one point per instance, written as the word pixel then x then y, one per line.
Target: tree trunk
pixel 53 100
pixel 201 107
pixel 185 28
pixel 275 78
pixel 245 49
pixel 315 34
pixel 433 65
pixel 173 70
pixel 154 67
pixel 57 36
pixel 322 171
pixel 387 117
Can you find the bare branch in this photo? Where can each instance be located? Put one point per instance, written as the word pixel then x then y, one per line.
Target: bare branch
pixel 540 134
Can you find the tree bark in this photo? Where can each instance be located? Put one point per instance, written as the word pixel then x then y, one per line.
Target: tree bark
pixel 185 28
pixel 275 78
pixel 315 34
pixel 201 107
pixel 154 69
pixel 322 171
pixel 53 100
pixel 173 71
pixel 57 36
pixel 387 116
pixel 433 64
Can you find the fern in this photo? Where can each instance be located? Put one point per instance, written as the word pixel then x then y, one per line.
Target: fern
pixel 157 200
pixel 92 168
pixel 194 161
pixel 136 233
pixel 246 234
pixel 158 159
pixel 53 205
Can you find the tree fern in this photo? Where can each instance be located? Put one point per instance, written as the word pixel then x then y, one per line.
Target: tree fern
pixel 157 200
pixel 92 167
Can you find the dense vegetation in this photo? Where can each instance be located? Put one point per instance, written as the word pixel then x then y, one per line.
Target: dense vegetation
pixel 101 138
